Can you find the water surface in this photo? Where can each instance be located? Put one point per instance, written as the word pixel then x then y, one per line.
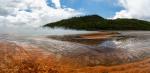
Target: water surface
pixel 128 46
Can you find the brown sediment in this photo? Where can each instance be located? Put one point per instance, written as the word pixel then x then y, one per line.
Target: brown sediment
pixel 88 39
pixel 24 59
pixel 98 35
pixel 21 58
pixel 136 67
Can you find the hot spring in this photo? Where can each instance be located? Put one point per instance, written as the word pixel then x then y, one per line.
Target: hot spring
pixel 133 46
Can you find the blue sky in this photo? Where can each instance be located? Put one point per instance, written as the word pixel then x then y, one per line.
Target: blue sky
pixel 105 8
pixel 39 12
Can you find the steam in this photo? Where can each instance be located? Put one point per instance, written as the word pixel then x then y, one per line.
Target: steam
pixel 30 31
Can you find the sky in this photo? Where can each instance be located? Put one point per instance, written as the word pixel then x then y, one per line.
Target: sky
pixel 105 8
pixel 36 13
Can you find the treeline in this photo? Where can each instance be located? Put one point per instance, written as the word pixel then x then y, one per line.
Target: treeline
pixel 95 22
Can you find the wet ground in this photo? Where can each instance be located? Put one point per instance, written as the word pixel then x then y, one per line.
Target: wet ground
pixel 102 53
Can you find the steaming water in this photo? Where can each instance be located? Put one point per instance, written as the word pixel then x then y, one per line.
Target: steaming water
pixel 118 50
pixel 134 40
pixel 130 43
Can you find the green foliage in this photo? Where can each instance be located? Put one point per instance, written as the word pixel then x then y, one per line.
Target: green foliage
pixel 95 22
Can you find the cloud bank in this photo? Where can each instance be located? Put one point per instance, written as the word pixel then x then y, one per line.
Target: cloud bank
pixel 134 9
pixel 32 12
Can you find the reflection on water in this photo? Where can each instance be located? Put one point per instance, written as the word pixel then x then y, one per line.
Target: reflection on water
pixel 135 46
pixel 129 43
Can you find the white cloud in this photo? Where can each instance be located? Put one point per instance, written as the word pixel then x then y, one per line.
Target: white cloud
pixel 32 12
pixel 57 3
pixel 134 9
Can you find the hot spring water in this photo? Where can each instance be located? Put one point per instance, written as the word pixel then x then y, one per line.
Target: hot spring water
pixel 129 43
pixel 114 51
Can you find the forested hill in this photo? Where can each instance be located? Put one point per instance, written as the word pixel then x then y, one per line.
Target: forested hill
pixel 95 22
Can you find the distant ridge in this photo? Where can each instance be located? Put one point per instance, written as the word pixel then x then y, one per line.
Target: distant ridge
pixel 95 22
